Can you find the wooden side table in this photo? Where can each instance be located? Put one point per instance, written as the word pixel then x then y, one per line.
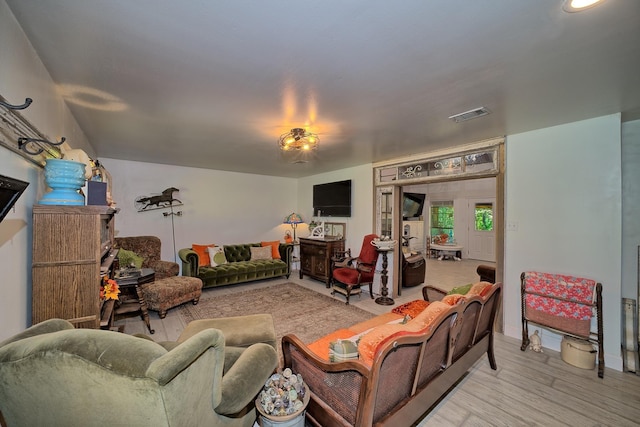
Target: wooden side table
pixel 131 298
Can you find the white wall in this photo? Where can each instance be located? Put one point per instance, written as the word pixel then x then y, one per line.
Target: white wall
pixel 563 196
pixel 630 208
pixel 20 77
pixel 361 221
pixel 218 207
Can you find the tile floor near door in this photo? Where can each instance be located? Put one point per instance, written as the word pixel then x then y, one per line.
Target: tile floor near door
pixel 527 389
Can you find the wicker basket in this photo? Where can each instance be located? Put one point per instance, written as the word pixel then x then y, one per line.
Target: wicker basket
pixel 577 352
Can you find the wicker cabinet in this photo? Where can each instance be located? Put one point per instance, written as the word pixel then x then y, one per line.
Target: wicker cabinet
pixel 72 249
pixel 315 257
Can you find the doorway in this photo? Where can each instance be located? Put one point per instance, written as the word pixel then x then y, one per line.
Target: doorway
pixel 468 163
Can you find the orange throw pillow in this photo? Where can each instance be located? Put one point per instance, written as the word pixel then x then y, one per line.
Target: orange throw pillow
pixel 203 254
pixel 275 251
pixel 480 288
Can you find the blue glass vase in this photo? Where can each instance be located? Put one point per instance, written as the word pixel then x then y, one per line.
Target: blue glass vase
pixel 65 178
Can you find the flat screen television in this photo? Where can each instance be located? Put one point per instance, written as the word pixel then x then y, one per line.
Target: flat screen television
pixel 332 199
pixel 10 191
pixel 412 205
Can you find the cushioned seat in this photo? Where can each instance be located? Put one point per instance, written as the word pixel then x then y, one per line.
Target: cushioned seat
pixel 170 292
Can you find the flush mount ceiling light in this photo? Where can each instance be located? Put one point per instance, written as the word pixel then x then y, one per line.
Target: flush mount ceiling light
pixel 298 144
pixel 471 114
pixel 579 5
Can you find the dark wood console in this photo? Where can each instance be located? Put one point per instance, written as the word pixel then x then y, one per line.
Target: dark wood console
pixel 315 257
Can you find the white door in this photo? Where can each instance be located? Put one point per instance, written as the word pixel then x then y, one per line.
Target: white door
pixel 482 235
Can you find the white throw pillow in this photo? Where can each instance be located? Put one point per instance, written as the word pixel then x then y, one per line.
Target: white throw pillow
pixel 216 256
pixel 263 252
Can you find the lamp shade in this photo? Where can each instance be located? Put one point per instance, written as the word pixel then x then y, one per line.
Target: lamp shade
pixel 293 218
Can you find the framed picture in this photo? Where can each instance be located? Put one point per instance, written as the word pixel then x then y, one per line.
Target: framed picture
pixel 336 230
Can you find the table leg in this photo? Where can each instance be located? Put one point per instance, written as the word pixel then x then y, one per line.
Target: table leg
pixel 144 309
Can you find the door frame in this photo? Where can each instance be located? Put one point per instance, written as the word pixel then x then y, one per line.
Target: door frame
pixel 411 168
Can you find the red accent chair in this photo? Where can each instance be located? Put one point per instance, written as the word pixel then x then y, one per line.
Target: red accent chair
pixel 348 274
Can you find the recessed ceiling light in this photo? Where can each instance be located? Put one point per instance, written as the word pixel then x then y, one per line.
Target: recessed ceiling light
pixel 471 114
pixel 579 5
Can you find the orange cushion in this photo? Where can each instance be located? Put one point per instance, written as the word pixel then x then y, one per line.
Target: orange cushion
pixel 371 342
pixel 453 299
pixel 480 288
pixel 411 308
pixel 275 251
pixel 382 319
pixel 203 254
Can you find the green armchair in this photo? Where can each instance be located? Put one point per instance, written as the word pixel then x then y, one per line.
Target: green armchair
pixel 55 375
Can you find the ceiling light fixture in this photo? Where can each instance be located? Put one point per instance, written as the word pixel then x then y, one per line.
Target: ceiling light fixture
pixel 298 144
pixel 471 114
pixel 579 5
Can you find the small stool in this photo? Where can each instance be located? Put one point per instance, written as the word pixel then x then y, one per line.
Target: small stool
pixel 170 292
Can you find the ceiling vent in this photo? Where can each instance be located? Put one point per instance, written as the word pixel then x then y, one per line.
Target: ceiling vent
pixel 471 114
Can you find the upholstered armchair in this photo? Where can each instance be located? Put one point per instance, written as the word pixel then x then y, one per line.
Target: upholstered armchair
pixel 148 247
pixel 348 274
pixel 55 375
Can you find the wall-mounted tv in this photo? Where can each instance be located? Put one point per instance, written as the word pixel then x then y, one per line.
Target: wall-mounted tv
pixel 412 205
pixel 10 191
pixel 332 199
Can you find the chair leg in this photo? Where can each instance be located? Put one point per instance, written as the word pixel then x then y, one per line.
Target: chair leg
pixel 348 294
pixel 371 290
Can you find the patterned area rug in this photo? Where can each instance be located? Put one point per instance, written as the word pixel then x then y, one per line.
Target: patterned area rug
pixel 295 309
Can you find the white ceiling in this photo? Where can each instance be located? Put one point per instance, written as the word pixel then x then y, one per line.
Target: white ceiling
pixel 212 84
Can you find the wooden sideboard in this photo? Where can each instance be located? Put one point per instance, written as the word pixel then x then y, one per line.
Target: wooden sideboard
pixel 72 251
pixel 315 257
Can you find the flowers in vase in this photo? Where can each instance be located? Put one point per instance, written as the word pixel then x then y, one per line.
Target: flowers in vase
pixel 109 289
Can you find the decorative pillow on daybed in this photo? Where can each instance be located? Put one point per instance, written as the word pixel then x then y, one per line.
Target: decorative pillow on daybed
pixel 275 248
pixel 203 254
pixel 126 258
pixel 341 350
pixel 411 308
pixel 258 253
pixel 216 256
pixel 370 342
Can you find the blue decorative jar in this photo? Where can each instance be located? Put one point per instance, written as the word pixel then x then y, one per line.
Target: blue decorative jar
pixel 65 178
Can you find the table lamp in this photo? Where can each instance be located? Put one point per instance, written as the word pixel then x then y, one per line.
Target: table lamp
pixel 293 219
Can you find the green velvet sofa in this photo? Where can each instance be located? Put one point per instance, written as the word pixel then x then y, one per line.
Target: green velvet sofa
pixel 239 267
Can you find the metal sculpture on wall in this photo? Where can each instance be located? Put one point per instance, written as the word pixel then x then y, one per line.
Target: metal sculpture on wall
pixel 164 200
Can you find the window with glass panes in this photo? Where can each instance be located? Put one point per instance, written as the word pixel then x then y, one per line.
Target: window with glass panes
pixel 442 219
pixel 484 217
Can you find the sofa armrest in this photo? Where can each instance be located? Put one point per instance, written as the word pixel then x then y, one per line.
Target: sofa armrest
pixel 431 293
pixel 169 365
pixel 238 331
pixel 246 377
pixel 338 389
pixel 165 269
pixel 190 262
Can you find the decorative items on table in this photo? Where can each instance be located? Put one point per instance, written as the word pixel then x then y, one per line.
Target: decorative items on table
pixel 109 289
pixel 287 237
pixel 65 178
pixel 384 243
pixel 317 231
pixel 283 397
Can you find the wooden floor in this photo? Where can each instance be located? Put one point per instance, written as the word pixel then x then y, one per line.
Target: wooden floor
pixel 527 389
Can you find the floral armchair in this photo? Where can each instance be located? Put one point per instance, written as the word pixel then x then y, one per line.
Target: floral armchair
pixel 148 248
